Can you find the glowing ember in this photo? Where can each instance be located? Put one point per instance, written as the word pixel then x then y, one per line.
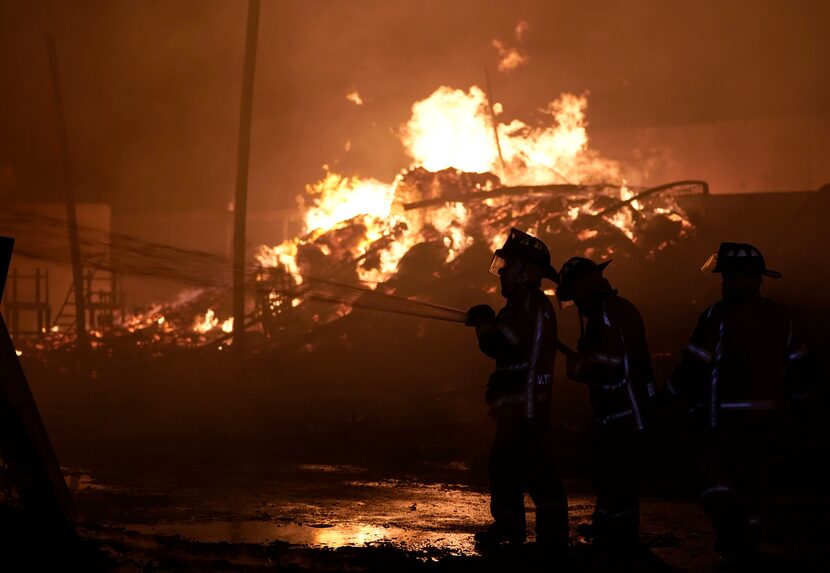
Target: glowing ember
pixel 354 97
pixel 205 323
pixel 209 321
pixel 140 320
pixel 623 218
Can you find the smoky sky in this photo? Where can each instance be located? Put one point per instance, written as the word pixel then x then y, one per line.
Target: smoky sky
pixel 152 88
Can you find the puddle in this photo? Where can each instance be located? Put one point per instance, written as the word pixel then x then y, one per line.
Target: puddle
pixel 313 505
pixel 320 536
pixel 327 468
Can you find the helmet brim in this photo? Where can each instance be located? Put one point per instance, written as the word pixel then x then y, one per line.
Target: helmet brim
pixel 711 266
pixel 565 292
pixel 500 258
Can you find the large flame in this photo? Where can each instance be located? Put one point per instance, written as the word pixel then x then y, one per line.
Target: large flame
pixel 336 199
pixel 450 128
pixel 455 135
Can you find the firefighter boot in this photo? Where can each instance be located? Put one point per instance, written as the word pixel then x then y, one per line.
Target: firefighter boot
pixel 496 535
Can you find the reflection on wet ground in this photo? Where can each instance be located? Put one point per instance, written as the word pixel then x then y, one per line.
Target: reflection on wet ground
pixel 327 536
pixel 312 504
pixel 432 512
pixel 340 510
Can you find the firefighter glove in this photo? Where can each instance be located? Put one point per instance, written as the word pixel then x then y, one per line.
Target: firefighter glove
pixel 480 314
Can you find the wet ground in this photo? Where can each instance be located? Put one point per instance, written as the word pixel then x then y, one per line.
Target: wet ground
pixel 314 505
pixel 319 517
pixel 176 470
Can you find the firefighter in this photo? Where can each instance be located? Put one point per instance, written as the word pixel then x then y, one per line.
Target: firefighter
pixel 522 340
pixel 612 358
pixel 741 367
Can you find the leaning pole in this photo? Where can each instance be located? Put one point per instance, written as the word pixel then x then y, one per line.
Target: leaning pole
pixel 32 468
pixel 71 214
pixel 241 201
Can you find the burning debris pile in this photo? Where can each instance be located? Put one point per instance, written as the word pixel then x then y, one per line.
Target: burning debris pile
pixel 472 178
pixel 435 218
pixel 181 323
pixel 466 190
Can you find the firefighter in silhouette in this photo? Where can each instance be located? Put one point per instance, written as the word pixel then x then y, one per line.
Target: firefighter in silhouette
pixel 522 340
pixel 742 368
pixel 612 358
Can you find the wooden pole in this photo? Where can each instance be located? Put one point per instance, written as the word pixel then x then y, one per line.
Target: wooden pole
pixel 69 196
pixel 493 118
pixel 240 207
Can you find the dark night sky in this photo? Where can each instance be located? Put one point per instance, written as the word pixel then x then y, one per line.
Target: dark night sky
pixel 152 88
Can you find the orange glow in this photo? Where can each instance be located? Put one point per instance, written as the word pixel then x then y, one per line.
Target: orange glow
pixel 449 136
pixel 336 199
pixel 623 218
pixel 204 323
pixel 450 128
pixel 354 97
pixel 209 321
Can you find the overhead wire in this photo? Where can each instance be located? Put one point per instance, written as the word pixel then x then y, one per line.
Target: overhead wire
pixel 43 237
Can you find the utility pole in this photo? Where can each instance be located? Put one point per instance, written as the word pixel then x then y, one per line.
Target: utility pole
pixel 82 340
pixel 240 207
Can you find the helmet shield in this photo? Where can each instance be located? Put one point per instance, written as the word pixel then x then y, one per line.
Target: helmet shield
pixel 498 262
pixel 562 303
pixel 521 246
pixel 711 264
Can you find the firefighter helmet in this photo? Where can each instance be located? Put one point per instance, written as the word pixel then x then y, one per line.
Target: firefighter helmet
pixel 738 257
pixel 520 245
pixel 574 270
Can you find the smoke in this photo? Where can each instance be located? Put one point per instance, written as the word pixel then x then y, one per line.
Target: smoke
pixel 512 57
pixel 152 89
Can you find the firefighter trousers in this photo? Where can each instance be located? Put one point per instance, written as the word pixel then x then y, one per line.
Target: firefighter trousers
pixel 522 459
pixel 616 472
pixel 733 463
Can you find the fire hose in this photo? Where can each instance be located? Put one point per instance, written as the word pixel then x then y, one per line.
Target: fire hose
pixel 405 306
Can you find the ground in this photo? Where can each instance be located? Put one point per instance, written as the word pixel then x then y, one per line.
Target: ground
pixel 174 466
pixel 321 517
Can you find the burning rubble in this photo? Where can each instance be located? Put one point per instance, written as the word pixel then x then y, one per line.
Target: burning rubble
pixel 472 177
pixel 465 188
